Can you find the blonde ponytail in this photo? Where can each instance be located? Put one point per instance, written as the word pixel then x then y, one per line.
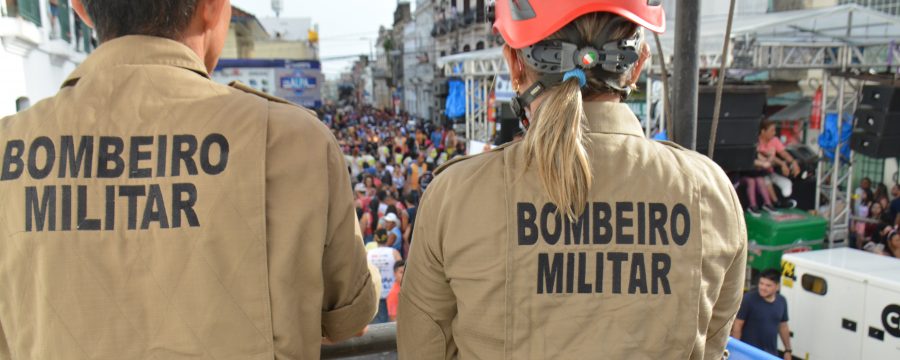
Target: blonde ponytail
pixel 556 141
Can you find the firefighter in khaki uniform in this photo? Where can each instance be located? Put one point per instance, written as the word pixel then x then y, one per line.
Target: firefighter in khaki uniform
pixel 150 213
pixel 585 240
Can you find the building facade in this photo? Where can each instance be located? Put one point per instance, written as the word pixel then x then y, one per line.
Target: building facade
pixel 269 38
pixel 419 62
pixel 41 43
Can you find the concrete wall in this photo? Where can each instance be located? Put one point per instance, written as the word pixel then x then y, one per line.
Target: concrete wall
pixel 230 51
pixel 12 71
pixel 293 50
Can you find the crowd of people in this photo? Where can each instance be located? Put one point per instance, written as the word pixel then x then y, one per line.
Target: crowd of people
pixel 390 159
pixel 877 214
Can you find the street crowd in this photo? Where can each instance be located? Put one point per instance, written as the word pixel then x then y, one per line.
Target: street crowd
pixel 390 159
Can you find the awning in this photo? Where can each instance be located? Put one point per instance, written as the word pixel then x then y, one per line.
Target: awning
pixel 798 111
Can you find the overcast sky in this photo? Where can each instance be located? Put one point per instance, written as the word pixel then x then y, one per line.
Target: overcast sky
pixel 342 24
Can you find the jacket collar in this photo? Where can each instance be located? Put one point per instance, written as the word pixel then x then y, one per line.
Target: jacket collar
pixel 138 50
pixel 612 118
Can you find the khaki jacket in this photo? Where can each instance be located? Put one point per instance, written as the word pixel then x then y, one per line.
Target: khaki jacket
pixel 150 213
pixel 653 269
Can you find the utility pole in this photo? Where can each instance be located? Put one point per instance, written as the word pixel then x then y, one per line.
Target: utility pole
pixel 687 72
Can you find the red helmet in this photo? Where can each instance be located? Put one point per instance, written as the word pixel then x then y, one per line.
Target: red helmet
pixel 523 23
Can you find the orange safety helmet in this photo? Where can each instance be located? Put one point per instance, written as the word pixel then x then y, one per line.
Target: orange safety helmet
pixel 523 23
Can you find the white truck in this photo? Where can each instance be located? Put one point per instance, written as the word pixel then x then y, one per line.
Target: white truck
pixel 843 304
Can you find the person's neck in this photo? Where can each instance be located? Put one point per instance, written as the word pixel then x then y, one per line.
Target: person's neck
pixel 770 298
pixel 197 43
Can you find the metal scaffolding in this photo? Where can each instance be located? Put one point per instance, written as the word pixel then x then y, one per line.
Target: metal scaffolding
pixel 834 177
pixel 478 71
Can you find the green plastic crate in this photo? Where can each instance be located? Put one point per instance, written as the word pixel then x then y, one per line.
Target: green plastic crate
pixel 790 231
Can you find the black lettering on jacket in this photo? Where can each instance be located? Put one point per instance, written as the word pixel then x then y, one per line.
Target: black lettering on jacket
pixel 136 155
pixel 34 170
pixel 550 275
pixel 181 205
pixel 43 213
pixel 551 237
pixel 111 149
pixel 205 163
pixel 181 155
pixel 12 157
pixel 76 161
pixel 526 219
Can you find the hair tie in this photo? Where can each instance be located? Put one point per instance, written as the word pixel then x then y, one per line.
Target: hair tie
pixel 576 73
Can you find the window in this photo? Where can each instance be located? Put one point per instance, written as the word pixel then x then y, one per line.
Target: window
pixel 814 284
pixel 467 48
pixel 29 10
pixel 479 45
pixel 61 16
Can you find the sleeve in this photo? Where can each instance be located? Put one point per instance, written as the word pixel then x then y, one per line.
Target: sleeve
pixel 744 310
pixel 732 233
pixel 784 316
pixel 427 304
pixel 351 295
pixel 779 146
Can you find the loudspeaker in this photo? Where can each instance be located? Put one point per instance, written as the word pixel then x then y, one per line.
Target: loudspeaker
pixel 737 102
pixel 734 131
pixel 509 125
pixel 876 121
pixel 881 98
pixel 732 158
pixel 805 193
pixel 875 146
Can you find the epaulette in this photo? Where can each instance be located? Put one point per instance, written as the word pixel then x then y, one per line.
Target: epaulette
pixel 671 144
pixel 243 87
pixel 458 159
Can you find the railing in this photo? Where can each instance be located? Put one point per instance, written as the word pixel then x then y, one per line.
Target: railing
pixel 379 339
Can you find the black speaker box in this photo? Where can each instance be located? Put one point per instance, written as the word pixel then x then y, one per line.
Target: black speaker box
pixel 734 131
pixel 876 121
pixel 874 146
pixel 732 158
pixel 509 125
pixel 737 102
pixel 881 98
pixel 805 193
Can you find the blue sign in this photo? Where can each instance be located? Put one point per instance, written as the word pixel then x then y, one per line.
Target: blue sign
pixel 298 83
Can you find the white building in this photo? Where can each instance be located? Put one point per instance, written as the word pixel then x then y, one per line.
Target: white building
pixel 38 50
pixel 420 75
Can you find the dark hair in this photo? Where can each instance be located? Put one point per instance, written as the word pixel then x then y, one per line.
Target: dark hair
pixel 161 18
pixel 771 274
pixel 381 236
pixel 412 198
pixel 765 124
pixel 373 210
pixel 399 264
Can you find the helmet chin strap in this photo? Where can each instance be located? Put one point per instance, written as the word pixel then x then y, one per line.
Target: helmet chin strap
pixel 524 100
